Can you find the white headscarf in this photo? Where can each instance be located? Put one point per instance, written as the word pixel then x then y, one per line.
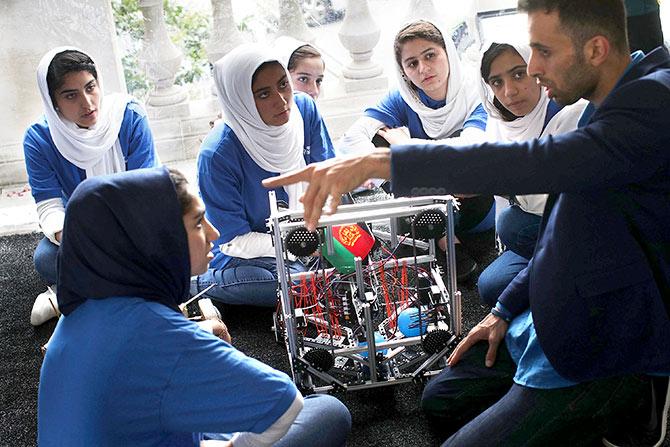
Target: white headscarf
pixel 526 127
pixel 273 148
pixel 285 46
pixel 523 128
pixel 97 149
pixel 461 100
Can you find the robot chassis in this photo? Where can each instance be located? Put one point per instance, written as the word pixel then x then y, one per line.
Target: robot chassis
pixel 330 321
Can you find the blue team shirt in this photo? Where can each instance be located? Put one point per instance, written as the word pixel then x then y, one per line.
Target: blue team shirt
pixel 230 180
pixel 393 111
pixel 50 175
pixel 126 371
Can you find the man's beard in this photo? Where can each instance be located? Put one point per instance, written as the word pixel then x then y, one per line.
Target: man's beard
pixel 581 82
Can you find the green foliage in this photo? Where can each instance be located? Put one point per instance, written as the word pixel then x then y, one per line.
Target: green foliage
pixel 187 29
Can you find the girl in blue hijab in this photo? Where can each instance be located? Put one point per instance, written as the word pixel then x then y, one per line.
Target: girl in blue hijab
pixel 124 366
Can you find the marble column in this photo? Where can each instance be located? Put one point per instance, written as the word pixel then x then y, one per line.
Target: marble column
pixel 161 60
pixel 224 35
pixel 359 34
pixel 292 22
pixel 422 9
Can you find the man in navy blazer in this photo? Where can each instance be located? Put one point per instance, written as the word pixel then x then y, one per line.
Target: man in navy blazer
pixel 589 320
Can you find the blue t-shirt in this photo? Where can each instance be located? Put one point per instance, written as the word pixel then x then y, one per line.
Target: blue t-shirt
pixel 230 180
pixel 50 175
pixel 393 111
pixel 126 371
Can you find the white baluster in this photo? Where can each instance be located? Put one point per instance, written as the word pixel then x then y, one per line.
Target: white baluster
pixel 422 9
pixel 360 34
pixel 224 35
pixel 292 22
pixel 161 59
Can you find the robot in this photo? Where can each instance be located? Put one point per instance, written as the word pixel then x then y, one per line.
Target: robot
pixel 363 315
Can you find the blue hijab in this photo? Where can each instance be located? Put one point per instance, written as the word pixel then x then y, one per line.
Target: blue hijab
pixel 124 236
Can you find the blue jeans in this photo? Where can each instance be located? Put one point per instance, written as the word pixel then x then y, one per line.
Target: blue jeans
pixel 45 257
pixel 323 421
pixel 244 281
pixel 518 230
pixel 497 276
pixel 488 408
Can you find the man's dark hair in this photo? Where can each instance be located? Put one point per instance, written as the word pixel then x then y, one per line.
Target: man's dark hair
pixel 584 19
pixel 67 62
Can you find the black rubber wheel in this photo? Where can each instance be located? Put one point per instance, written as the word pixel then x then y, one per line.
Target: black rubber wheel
pixel 435 341
pixel 319 359
pixel 302 242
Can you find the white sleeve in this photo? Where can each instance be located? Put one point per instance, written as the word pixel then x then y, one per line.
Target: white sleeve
pixel 469 135
pixel 249 245
pixel 51 215
pixel 274 431
pixel 358 138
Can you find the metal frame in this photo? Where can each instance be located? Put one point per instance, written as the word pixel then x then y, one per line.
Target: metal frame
pixel 378 368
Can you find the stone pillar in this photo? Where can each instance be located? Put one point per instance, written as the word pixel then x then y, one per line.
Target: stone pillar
pixel 422 9
pixel 292 22
pixel 29 30
pixel 359 34
pixel 161 60
pixel 224 35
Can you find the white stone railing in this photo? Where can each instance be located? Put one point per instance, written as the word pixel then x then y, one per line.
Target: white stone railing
pixel 358 54
pixel 178 135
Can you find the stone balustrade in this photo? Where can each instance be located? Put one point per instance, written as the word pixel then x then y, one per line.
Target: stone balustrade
pixel 358 54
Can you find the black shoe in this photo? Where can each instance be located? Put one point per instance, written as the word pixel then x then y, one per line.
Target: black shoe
pixel 650 432
pixel 466 266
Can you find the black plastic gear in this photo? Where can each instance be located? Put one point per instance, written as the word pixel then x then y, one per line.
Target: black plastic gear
pixel 302 242
pixel 319 359
pixel 429 224
pixel 435 341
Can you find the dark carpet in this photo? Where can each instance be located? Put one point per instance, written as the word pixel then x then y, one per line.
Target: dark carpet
pixel 387 416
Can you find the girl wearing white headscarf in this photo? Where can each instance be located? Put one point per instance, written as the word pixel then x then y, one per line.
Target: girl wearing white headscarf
pixel 519 109
pixel 266 130
pixel 436 102
pixel 303 62
pixel 81 135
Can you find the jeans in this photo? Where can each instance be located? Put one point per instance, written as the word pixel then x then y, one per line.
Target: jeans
pixel 45 257
pixel 518 230
pixel 497 276
pixel 488 408
pixel 244 281
pixel 323 421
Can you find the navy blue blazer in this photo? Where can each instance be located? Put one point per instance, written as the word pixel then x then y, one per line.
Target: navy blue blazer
pixel 598 285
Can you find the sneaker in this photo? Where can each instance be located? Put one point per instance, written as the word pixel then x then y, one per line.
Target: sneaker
pixel 45 307
pixel 466 266
pixel 649 433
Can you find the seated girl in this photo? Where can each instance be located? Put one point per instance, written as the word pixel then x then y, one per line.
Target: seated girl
pixel 304 63
pixel 124 366
pixel 435 101
pixel 519 109
pixel 267 130
pixel 81 135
